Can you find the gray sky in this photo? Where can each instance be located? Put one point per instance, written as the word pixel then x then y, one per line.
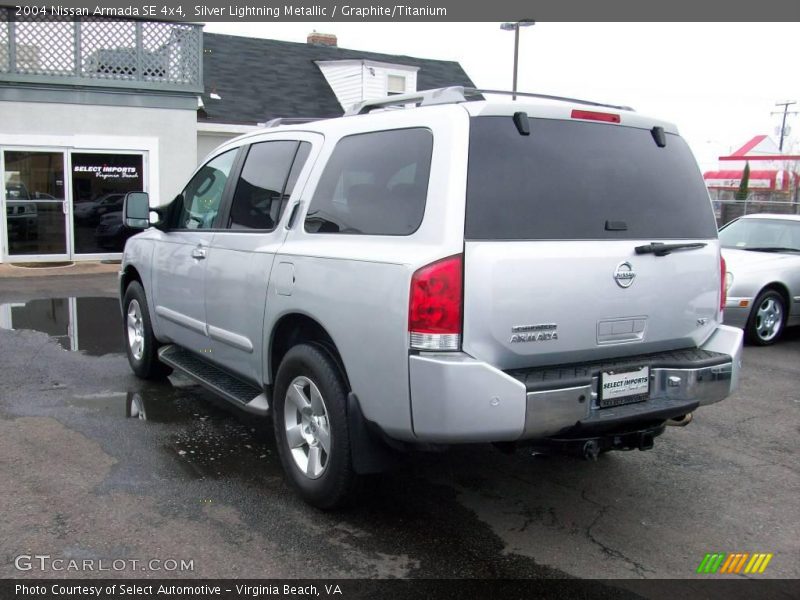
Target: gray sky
pixel 717 81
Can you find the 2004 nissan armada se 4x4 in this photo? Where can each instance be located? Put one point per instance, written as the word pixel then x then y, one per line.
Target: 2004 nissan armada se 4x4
pixel 543 273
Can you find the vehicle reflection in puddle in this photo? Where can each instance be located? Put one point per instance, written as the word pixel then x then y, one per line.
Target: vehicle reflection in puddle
pixel 91 325
pixel 212 440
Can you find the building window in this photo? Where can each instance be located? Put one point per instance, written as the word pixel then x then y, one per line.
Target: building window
pixel 99 184
pixel 396 84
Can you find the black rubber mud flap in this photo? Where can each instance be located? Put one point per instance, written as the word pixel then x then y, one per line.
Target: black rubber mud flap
pixel 369 453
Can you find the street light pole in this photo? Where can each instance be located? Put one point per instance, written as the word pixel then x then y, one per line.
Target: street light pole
pixel 516 61
pixel 515 25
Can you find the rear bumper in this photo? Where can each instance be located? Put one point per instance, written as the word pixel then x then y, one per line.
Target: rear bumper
pixel 457 399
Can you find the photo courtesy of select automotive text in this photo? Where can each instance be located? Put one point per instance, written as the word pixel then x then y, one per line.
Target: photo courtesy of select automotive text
pixel 441 299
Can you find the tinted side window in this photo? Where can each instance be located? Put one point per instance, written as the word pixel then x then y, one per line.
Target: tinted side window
pixel 261 192
pixel 374 183
pixel 200 199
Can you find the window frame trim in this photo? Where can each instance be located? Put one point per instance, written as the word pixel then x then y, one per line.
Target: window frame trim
pixel 399 74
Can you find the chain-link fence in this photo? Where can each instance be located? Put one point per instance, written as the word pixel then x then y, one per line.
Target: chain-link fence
pixel 101 52
pixel 728 209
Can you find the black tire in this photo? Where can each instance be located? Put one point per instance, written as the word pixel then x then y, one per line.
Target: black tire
pixel 338 483
pixel 146 365
pixel 767 319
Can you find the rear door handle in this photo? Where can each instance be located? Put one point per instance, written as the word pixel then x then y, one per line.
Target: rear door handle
pixel 199 253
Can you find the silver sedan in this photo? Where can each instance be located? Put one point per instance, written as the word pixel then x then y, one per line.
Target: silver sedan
pixel 762 256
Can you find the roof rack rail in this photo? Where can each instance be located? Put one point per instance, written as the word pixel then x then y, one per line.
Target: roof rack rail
pixel 456 94
pixel 475 91
pixel 445 95
pixel 289 121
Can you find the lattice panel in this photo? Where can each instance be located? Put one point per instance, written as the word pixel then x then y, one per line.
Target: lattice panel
pixel 45 48
pixel 171 53
pixel 4 41
pixel 108 50
pixel 151 55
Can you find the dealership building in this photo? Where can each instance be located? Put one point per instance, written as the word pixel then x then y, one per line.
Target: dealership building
pixel 93 109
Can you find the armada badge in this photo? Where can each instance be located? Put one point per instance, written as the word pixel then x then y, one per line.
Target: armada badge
pixel 541 332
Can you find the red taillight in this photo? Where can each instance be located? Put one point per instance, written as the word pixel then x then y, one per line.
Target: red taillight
pixel 593 115
pixel 723 290
pixel 434 309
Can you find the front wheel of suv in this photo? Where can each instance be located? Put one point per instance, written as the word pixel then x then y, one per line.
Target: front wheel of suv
pixel 310 420
pixel 141 345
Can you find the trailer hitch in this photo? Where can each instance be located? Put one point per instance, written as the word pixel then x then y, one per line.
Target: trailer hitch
pixel 590 447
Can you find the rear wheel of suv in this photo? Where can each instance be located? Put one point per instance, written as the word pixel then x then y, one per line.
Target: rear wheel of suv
pixel 767 318
pixel 140 342
pixel 310 419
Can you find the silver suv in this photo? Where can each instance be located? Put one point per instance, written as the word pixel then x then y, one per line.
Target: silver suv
pixel 540 273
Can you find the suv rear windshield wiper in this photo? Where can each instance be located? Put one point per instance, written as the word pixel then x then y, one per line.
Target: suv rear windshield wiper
pixel 661 249
pixel 771 249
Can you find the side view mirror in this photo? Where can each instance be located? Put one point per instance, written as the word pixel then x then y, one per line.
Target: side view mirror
pixel 136 209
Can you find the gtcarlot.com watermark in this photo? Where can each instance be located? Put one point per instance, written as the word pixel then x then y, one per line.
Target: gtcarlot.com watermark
pixel 48 563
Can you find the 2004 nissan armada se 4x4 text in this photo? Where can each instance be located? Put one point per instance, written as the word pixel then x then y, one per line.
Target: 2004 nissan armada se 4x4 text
pixel 532 272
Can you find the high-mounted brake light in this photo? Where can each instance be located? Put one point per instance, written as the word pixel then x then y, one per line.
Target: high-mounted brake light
pixel 592 115
pixel 434 309
pixel 723 289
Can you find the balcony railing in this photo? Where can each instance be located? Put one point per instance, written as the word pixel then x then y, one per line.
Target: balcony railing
pixel 102 53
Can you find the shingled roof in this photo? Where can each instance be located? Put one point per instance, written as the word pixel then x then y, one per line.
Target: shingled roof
pixel 259 79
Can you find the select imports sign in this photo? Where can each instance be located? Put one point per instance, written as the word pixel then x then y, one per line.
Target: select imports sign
pixel 107 171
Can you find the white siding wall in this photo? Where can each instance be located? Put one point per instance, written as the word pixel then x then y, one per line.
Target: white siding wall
pixel 206 142
pixel 345 79
pixel 355 80
pixel 374 82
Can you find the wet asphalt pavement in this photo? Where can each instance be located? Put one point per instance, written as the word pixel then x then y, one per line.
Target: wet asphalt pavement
pixel 97 464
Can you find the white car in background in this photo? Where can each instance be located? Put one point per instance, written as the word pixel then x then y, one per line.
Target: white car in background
pixel 762 254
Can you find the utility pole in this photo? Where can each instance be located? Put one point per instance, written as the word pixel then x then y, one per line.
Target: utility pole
pixel 785 112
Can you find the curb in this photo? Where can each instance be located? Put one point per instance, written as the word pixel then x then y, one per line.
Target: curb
pixel 10 271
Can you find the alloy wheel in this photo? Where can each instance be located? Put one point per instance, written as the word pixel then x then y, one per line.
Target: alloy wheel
pixel 769 319
pixel 135 327
pixel 308 432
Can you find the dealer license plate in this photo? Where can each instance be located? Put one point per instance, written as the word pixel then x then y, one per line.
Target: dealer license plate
pixel 628 387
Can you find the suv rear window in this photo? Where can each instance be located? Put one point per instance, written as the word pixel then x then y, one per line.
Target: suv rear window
pixel 572 180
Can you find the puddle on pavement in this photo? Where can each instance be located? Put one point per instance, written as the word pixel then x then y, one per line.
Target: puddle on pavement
pixel 90 325
pixel 207 437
